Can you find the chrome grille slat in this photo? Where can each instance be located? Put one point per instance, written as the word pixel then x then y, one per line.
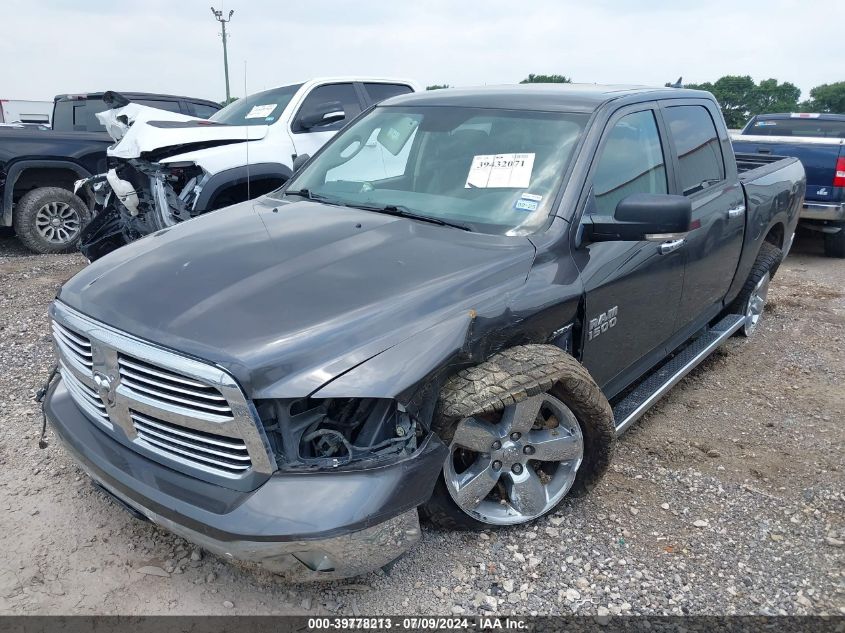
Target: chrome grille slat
pixel 160 395
pixel 209 438
pixel 186 413
pixel 191 451
pixel 127 373
pixel 81 340
pixel 135 364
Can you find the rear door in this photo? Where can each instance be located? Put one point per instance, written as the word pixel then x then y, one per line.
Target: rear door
pixel 308 141
pixel 632 288
pixel 713 246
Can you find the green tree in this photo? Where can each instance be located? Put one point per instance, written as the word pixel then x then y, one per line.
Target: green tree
pixel 774 97
pixel 546 79
pixel 437 86
pixel 826 98
pixel 741 98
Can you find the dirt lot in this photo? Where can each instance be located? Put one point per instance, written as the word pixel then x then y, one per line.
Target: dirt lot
pixel 729 497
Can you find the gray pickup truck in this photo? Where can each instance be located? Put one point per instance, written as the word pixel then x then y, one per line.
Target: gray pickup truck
pixel 293 380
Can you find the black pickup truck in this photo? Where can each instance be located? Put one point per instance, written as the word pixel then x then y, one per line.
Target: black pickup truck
pixel 292 380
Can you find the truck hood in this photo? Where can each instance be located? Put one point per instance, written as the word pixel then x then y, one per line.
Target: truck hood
pixel 139 129
pixel 287 296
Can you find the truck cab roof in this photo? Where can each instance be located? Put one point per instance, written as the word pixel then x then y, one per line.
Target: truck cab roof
pixel 584 98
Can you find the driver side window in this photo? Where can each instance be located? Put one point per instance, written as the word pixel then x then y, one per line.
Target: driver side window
pixel 321 95
pixel 630 162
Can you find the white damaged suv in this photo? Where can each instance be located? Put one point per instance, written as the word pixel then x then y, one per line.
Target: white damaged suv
pixel 167 167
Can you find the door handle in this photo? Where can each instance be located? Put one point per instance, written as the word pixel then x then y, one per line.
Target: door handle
pixel 670 247
pixel 736 211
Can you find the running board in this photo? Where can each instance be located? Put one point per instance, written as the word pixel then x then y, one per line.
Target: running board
pixel 642 398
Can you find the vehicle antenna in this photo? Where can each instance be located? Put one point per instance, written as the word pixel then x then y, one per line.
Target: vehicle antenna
pixel 246 128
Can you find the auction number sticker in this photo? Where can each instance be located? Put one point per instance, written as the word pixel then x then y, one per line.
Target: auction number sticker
pixel 489 171
pixel 260 111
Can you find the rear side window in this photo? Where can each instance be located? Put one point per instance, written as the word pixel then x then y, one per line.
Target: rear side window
pixel 202 110
pixel 697 145
pixel 812 127
pixel 170 106
pixel 379 92
pixel 630 162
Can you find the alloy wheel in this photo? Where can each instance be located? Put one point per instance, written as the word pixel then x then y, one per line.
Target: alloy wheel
pixel 756 304
pixel 517 465
pixel 58 222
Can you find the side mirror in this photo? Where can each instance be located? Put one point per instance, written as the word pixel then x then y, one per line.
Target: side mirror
pixel 322 114
pixel 299 162
pixel 643 216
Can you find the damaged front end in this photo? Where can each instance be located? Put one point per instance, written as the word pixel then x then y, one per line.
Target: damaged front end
pixel 136 198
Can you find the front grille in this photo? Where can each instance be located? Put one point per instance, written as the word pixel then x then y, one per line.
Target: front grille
pixel 86 397
pixel 74 346
pixel 170 388
pixel 185 413
pixel 200 448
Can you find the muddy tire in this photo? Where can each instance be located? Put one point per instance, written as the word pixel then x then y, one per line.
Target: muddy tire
pixel 49 220
pixel 834 243
pixel 752 298
pixel 509 379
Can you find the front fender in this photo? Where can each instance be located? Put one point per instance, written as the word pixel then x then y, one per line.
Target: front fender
pixel 398 368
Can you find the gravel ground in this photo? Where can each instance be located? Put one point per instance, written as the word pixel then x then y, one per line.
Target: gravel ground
pixel 727 498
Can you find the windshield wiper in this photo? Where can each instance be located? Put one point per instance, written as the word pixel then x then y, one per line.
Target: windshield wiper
pixel 405 212
pixel 305 193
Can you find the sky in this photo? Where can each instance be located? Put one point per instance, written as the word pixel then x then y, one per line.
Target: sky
pixel 51 47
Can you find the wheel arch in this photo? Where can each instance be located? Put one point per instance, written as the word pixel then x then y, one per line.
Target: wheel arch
pixel 25 175
pixel 229 179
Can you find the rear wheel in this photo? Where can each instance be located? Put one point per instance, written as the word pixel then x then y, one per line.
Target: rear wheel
pixel 751 300
pixel 50 219
pixel 834 243
pixel 524 429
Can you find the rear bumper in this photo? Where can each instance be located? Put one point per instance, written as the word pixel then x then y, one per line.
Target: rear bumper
pixel 834 212
pixel 310 526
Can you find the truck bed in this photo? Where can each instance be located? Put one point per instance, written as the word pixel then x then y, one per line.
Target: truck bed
pixel 754 166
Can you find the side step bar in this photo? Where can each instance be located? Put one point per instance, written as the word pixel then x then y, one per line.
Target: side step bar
pixel 642 398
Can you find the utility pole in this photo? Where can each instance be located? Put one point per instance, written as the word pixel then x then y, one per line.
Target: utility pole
pixel 218 15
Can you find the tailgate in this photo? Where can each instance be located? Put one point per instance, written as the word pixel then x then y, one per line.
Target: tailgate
pixel 818 155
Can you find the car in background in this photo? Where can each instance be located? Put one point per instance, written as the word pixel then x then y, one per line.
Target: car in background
pixel 818 140
pixel 38 167
pixel 77 112
pixel 166 167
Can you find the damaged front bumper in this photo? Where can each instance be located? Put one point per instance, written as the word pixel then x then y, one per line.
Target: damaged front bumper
pixel 317 525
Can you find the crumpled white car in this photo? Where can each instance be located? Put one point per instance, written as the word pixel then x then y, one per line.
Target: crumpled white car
pixel 167 167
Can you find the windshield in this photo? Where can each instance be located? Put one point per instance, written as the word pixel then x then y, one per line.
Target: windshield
pixel 812 127
pixel 262 108
pixel 493 171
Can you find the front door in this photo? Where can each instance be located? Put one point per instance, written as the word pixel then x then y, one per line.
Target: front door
pixel 718 211
pixel 309 140
pixel 632 288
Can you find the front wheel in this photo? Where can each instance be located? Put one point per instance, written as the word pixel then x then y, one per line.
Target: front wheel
pixel 524 429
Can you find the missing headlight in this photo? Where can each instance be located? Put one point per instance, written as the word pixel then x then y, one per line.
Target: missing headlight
pixel 339 431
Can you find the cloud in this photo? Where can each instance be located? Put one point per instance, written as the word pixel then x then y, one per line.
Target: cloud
pixel 56 46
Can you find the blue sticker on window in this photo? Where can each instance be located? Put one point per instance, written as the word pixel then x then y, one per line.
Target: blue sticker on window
pixel 765 123
pixel 526 205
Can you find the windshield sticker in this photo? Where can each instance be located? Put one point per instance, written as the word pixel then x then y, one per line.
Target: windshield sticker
pixel 532 196
pixel 765 123
pixel 490 171
pixel 260 111
pixel 526 205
